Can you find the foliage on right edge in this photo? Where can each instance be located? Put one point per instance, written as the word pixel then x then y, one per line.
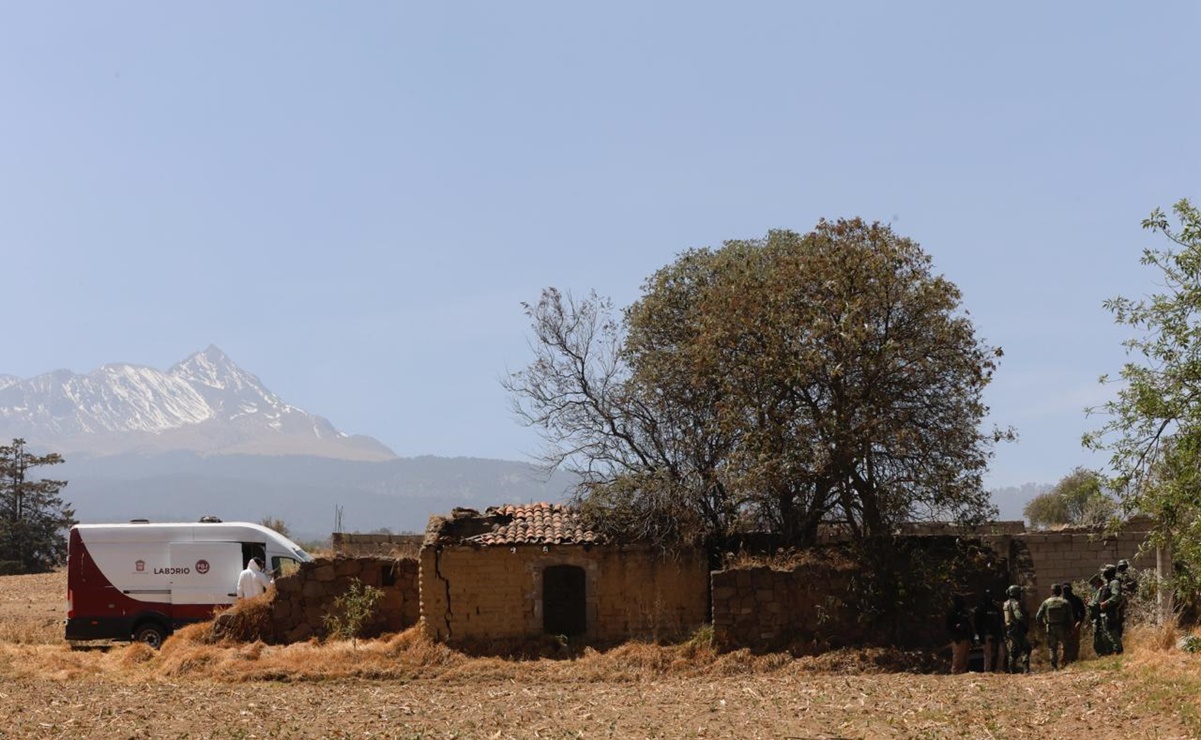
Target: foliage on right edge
pixel 1153 431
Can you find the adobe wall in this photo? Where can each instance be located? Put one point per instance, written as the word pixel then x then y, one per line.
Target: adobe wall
pixel 495 593
pixel 303 598
pixel 831 600
pixel 379 545
pixel 812 607
pixel 764 608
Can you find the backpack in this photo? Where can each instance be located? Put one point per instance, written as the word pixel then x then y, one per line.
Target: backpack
pixel 1015 617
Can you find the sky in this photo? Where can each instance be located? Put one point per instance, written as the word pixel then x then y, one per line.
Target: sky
pixel 353 200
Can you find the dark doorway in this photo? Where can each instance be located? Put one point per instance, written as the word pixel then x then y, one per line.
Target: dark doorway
pixel 563 610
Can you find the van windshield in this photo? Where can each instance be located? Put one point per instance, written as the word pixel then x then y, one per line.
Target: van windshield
pixel 301 555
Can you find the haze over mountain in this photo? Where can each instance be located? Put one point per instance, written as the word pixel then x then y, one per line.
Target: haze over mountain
pixel 207 438
pixel 1011 500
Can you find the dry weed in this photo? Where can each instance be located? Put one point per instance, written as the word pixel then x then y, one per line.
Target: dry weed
pixel 136 654
pixel 31 631
pixel 788 559
pixel 32 609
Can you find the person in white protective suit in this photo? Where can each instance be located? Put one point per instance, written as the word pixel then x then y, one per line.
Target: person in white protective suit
pixel 252 581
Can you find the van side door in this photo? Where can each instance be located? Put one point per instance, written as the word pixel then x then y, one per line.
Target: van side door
pixel 205 572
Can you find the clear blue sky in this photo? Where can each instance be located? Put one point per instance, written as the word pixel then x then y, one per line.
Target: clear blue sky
pixel 353 199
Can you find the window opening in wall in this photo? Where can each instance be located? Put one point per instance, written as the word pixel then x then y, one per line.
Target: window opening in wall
pixel 387 575
pixel 563 605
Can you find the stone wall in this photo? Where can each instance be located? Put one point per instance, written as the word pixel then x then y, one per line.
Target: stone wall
pixel 303 598
pixel 496 593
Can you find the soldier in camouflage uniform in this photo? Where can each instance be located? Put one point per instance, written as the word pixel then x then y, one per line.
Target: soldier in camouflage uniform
pixel 1129 580
pixel 1111 600
pixel 1017 624
pixel 1055 614
pixel 1102 643
pixel 1129 584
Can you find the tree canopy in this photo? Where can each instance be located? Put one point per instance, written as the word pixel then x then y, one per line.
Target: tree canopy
pixel 33 517
pixel 772 384
pixel 1079 499
pixel 1153 426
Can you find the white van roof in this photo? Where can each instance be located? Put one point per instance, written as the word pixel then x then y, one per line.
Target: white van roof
pixel 131 532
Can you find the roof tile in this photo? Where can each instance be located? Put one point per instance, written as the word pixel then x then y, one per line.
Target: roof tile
pixel 535 524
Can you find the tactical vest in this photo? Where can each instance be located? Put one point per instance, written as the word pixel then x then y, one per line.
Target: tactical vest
pixel 1059 612
pixel 1015 617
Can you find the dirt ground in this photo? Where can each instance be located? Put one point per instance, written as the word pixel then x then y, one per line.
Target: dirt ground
pixel 47 690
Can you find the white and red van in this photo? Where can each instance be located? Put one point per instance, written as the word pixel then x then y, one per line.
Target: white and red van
pixel 141 581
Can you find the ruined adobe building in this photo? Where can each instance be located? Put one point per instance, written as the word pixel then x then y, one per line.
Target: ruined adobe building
pixel 521 571
pixel 517 572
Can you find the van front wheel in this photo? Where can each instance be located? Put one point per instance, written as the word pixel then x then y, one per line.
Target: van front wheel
pixel 150 633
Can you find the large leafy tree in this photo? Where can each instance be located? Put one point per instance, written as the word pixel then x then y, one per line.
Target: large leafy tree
pixel 770 384
pixel 33 517
pixel 1079 498
pixel 1153 426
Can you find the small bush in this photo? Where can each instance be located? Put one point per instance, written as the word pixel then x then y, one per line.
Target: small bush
pixel 352 611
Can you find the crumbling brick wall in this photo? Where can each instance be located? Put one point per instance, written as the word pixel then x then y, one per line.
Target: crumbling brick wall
pixel 303 598
pixel 769 609
pixel 829 600
pixel 496 593
pixel 379 545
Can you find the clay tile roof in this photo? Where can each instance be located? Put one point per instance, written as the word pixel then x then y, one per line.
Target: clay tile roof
pixel 535 524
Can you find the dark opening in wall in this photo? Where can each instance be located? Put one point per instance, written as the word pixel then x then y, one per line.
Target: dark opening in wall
pixel 563 600
pixel 387 575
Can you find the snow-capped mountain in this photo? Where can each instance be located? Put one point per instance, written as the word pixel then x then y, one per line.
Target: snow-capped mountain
pixel 205 403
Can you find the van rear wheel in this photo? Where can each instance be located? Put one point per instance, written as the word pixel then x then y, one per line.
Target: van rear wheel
pixel 150 633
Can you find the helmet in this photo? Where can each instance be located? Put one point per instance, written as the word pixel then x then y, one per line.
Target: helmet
pixel 1123 564
pixel 1014 591
pixel 1067 587
pixel 1110 570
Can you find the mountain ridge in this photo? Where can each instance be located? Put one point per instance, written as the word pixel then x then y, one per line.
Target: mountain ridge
pixel 204 403
pixel 206 437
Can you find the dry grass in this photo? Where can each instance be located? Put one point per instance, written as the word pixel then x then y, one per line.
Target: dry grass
pixel 32 608
pixel 405 685
pixel 788 559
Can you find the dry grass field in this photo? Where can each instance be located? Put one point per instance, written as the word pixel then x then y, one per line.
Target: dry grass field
pixel 406 687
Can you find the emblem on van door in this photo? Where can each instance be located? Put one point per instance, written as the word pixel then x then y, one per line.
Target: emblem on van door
pixel 140 566
pixel 202 566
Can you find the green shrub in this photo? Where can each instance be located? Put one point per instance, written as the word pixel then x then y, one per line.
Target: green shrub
pixel 352 611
